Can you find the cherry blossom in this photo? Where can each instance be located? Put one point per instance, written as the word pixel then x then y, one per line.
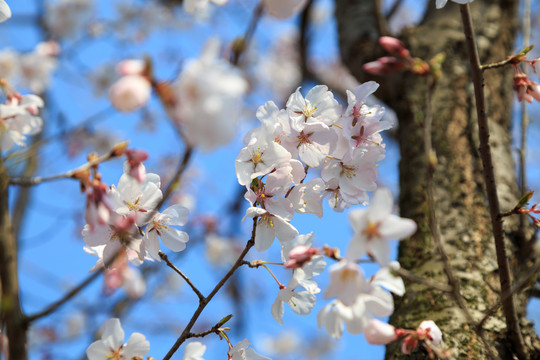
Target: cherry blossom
pixel 259 158
pixel 5 11
pixel 241 352
pixel 200 7
pixel 207 100
pixel 375 226
pixel 112 347
pixel 301 302
pixel 194 351
pixel 160 225
pixel 19 117
pixel 347 282
pixel 132 197
pixel 319 105
pixel 130 93
pixel 269 227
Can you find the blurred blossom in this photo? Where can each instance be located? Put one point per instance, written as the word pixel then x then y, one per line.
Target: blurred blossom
pixel 280 69
pixel 9 66
pixel 65 18
pixel 283 344
pixel 220 251
pixel 209 99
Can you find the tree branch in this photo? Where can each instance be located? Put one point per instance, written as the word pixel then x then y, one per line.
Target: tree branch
pixel 489 179
pixel 179 272
pixel 205 301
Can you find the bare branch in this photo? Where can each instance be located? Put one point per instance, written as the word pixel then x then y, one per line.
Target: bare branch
pixel 179 272
pixel 205 301
pixel 489 179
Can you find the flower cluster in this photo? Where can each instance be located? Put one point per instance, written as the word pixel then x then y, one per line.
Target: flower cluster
pixel 117 215
pixel 312 132
pixel 31 70
pixel 19 117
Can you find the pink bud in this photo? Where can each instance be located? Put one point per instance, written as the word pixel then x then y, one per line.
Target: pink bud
pixel 383 66
pixel 48 48
pixel 130 93
pixel 130 67
pixel 299 256
pixel 394 46
pixel 430 330
pixel 379 333
pixel 136 168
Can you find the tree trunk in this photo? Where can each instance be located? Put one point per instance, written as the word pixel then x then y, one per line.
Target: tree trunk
pixel 461 205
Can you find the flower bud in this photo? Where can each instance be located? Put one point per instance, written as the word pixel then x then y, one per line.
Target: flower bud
pixel 299 256
pixel 383 66
pixel 394 46
pixel 429 329
pixel 130 93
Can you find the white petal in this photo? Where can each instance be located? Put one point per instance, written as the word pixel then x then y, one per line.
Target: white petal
pixel 112 334
pixel 174 239
pixel 137 345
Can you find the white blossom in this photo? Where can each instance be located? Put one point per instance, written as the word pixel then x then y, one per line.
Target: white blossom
pixel 111 345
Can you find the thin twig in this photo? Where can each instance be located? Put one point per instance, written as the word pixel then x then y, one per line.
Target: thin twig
pixel 206 300
pixel 393 9
pixel 242 45
pixel 491 188
pixel 68 296
pixel 496 65
pixel 29 181
pixel 177 175
pixel 518 286
pixel 179 272
pixel 524 120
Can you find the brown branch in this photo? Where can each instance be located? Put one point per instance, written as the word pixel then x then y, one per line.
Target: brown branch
pixel 489 179
pixel 395 7
pixel 518 286
pixel 240 46
pixel 29 181
pixel 177 176
pixel 206 300
pixel 68 296
pixel 496 65
pixel 179 272
pixel 524 121
pixel 11 315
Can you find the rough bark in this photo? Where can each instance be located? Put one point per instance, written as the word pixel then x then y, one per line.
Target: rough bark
pixel 460 201
pixel 12 319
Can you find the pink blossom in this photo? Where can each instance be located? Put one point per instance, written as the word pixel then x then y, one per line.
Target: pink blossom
pixel 130 93
pixel 130 67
